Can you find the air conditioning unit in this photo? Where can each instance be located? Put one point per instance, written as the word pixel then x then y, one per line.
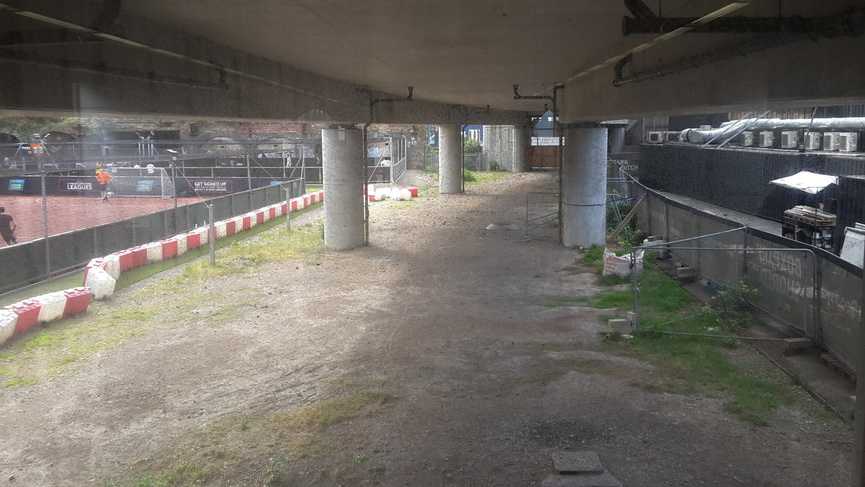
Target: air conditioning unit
pixel 789 139
pixel 848 141
pixel 767 138
pixel 747 138
pixel 830 141
pixel 656 138
pixel 671 136
pixel 812 140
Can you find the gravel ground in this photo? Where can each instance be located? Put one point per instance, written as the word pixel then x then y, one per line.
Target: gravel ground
pixel 451 320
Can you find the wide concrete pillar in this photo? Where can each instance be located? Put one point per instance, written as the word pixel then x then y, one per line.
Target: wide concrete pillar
pixel 584 187
pixel 521 144
pixel 617 139
pixel 342 166
pixel 450 160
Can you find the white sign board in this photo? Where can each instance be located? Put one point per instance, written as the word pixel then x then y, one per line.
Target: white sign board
pixel 854 246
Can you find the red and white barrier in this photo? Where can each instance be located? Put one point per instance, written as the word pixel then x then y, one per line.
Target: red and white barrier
pixel 8 320
pixel 181 244
pixel 220 229
pixel 154 252
pixel 77 300
pixel 169 248
pixel 51 306
pixel 100 283
pixel 139 256
pixel 28 314
pixel 20 316
pixel 253 219
pixel 101 274
pixel 203 235
pixel 230 226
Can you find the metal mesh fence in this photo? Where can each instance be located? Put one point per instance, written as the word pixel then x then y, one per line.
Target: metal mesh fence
pixel 542 215
pixel 59 233
pixel 804 287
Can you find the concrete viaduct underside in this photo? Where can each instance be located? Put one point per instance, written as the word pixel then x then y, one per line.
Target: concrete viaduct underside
pixel 447 63
pixel 458 62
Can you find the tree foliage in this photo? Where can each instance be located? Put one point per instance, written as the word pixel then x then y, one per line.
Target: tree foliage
pixel 471 146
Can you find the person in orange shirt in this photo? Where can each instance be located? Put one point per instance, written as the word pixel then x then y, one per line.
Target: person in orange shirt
pixel 103 178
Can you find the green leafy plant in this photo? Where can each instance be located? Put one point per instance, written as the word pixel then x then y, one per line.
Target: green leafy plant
pixel 277 474
pixel 731 306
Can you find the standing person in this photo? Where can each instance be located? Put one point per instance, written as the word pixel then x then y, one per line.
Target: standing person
pixel 103 178
pixel 7 227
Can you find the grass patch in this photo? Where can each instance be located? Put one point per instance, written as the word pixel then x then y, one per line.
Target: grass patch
pixel 568 301
pixel 259 444
pixel 477 177
pixel 48 351
pixel 691 364
pixel 224 268
pixel 277 245
pixel 322 414
pixel 400 205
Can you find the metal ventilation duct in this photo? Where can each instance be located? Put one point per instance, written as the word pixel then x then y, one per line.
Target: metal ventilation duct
pixel 728 130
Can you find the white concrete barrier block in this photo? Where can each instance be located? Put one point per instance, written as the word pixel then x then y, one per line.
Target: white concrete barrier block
pixel 101 284
pixel 181 244
pixel 253 219
pixel 266 213
pixel 52 307
pixel 203 234
pixel 154 252
pixel 113 265
pixel 8 321
pixel 220 230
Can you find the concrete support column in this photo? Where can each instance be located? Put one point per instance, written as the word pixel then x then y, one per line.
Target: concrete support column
pixel 584 187
pixel 450 160
pixel 521 143
pixel 617 139
pixel 342 166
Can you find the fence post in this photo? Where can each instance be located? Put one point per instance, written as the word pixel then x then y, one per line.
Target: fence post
pixel 288 208
pixel 211 234
pixel 45 226
pixel 249 177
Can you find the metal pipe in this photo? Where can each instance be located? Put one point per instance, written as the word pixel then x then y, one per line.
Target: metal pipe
pixel 733 127
pixel 703 335
pixel 851 22
pixel 834 123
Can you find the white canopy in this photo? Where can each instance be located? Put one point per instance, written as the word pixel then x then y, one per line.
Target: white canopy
pixel 807 181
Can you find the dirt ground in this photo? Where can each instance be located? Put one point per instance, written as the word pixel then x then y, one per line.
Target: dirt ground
pixel 450 319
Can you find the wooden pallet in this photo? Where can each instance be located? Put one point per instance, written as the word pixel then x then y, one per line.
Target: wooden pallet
pixel 810 216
